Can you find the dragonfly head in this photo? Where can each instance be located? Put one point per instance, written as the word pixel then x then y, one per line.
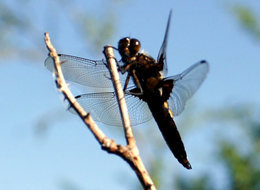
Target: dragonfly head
pixel 128 47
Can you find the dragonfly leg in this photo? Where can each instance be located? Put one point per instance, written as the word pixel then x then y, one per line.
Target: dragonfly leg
pixel 138 84
pixel 106 64
pixel 126 82
pixel 125 68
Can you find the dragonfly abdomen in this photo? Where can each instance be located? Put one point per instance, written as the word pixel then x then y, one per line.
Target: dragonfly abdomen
pixel 169 131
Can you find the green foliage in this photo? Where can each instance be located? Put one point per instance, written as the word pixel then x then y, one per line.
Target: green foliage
pixel 200 183
pixel 156 171
pixel 18 27
pixel 243 170
pixel 240 157
pixel 248 20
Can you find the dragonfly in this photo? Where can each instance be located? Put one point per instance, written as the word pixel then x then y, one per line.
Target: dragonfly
pixel 148 93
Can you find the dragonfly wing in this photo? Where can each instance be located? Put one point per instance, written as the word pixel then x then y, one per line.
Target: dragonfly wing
pixel 185 85
pixel 86 72
pixel 162 53
pixel 103 107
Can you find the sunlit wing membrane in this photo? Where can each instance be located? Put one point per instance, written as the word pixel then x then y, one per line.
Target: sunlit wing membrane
pixel 103 107
pixel 162 52
pixel 92 73
pixel 185 85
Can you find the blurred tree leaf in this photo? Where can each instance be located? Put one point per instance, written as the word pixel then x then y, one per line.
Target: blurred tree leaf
pixel 237 162
pixel 200 183
pixel 248 20
pixel 243 170
pixel 21 34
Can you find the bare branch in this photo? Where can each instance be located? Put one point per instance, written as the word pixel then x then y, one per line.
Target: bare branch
pixel 134 158
pixel 130 152
pixel 63 87
pixel 108 51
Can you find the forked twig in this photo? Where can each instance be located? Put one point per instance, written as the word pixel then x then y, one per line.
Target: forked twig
pixel 111 61
pixel 129 152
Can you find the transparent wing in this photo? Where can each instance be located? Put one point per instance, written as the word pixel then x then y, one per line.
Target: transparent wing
pixel 103 107
pixel 101 103
pixel 92 73
pixel 185 85
pixel 162 53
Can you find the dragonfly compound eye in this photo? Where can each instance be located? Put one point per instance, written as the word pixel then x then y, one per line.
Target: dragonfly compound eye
pixel 123 46
pixel 135 46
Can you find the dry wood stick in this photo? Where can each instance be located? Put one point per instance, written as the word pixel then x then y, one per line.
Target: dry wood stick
pixel 130 152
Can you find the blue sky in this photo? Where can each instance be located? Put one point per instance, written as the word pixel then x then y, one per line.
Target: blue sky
pixel 199 30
